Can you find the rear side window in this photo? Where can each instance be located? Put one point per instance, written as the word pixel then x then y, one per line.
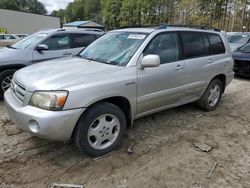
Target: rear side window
pixel 82 40
pixel 216 45
pixel 193 45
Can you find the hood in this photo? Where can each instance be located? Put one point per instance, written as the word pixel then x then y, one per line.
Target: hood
pixel 243 56
pixel 13 55
pixel 62 74
pixel 6 52
pixel 234 46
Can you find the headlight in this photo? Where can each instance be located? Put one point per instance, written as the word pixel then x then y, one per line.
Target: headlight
pixel 49 100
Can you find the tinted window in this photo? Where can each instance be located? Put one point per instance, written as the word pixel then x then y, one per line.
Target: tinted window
pixel 58 42
pixel 216 44
pixel 166 46
pixel 1 36
pixel 193 45
pixel 7 37
pixel 82 40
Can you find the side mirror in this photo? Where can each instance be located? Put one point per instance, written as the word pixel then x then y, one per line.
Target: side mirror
pixel 150 61
pixel 41 47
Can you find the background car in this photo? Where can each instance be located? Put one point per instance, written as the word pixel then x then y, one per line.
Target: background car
pixel 242 60
pixel 22 35
pixel 8 39
pixel 237 40
pixel 43 45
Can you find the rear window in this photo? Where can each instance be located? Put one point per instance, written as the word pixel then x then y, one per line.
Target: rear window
pixel 82 40
pixel 193 45
pixel 216 45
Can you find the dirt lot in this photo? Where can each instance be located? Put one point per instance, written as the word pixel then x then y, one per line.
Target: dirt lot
pixel 164 152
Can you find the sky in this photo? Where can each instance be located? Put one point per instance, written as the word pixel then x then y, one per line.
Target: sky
pixel 55 4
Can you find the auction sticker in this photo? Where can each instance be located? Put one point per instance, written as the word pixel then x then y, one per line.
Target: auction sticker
pixel 140 37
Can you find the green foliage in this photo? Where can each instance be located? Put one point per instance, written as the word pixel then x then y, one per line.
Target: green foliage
pixel 33 6
pixel 229 15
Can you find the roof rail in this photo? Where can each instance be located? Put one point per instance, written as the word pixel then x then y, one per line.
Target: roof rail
pixel 139 26
pixel 165 26
pixel 55 29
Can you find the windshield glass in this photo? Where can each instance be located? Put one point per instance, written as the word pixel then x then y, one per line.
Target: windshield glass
pixel 114 48
pixel 245 48
pixel 237 38
pixel 29 41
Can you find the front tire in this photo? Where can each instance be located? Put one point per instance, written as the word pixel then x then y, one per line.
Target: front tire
pixel 5 80
pixel 212 96
pixel 100 129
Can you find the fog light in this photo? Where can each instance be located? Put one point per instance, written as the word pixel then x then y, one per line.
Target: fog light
pixel 33 126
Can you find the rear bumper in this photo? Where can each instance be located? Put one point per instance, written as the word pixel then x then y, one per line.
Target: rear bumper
pixel 52 125
pixel 229 78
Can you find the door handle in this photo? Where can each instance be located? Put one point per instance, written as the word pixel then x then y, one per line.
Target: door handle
pixel 210 61
pixel 67 53
pixel 179 67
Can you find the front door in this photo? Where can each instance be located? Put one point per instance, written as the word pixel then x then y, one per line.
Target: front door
pixel 58 46
pixel 162 86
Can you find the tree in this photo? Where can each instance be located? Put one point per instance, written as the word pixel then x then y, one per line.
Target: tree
pixel 111 13
pixel 33 6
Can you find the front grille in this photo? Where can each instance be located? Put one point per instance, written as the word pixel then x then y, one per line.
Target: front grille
pixel 18 90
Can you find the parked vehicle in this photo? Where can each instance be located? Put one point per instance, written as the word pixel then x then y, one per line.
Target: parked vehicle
pixel 237 40
pixel 122 76
pixel 8 39
pixel 22 35
pixel 242 60
pixel 41 46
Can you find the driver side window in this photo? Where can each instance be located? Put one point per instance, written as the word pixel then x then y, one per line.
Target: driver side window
pixel 58 42
pixel 166 45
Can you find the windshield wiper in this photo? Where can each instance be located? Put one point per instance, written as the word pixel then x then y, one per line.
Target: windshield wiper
pixel 100 60
pixel 10 47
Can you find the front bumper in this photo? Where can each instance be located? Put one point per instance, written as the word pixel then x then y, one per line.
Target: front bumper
pixel 242 67
pixel 52 125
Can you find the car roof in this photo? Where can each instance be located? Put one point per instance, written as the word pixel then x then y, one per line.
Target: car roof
pixel 172 28
pixel 61 30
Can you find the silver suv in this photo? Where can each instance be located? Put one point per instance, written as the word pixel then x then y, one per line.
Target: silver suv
pixel 122 76
pixel 43 45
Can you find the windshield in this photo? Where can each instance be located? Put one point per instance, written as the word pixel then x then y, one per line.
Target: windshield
pixel 245 48
pixel 29 41
pixel 237 38
pixel 114 48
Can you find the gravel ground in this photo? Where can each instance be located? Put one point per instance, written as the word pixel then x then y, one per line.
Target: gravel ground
pixel 167 151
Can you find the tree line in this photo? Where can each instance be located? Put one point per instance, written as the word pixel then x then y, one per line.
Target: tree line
pixel 228 15
pixel 32 6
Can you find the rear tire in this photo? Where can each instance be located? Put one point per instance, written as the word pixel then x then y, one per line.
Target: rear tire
pixel 5 80
pixel 100 129
pixel 212 96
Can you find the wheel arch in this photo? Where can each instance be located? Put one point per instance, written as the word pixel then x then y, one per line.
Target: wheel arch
pixel 121 102
pixel 14 66
pixel 222 78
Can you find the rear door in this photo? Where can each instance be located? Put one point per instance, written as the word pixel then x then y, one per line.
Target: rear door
pixel 199 66
pixel 161 86
pixel 59 45
pixel 81 41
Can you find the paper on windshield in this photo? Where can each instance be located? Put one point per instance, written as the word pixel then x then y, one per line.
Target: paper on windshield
pixel 140 37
